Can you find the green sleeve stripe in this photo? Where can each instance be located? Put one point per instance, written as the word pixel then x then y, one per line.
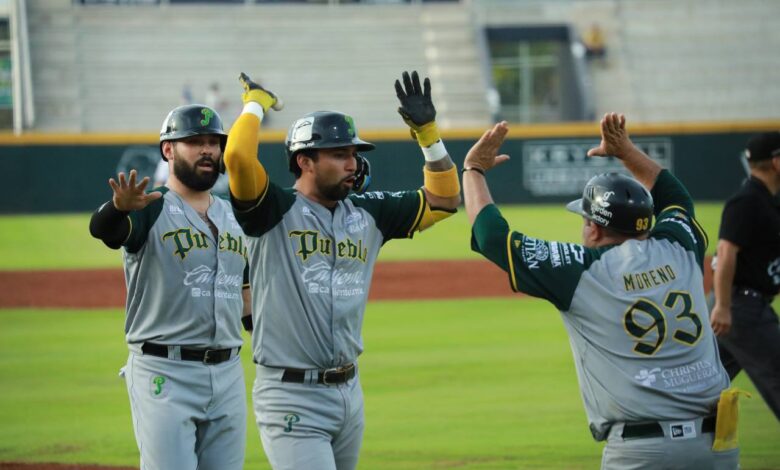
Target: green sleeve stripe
pixel 420 212
pixel 702 232
pixel 512 277
pixel 695 224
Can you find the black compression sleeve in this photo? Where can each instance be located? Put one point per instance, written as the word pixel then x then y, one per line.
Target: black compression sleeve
pixel 110 225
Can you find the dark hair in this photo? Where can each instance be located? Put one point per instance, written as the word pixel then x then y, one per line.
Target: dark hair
pixel 294 168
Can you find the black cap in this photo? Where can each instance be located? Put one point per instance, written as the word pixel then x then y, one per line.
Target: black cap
pixel 763 146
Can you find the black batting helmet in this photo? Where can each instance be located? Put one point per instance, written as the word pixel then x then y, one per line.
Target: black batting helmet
pixel 189 120
pixel 322 130
pixel 617 202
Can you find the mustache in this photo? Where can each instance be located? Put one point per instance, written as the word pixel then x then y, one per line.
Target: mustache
pixel 213 161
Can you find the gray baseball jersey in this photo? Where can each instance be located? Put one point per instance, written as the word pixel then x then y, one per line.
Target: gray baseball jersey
pixel 184 289
pixel 183 285
pixel 311 270
pixel 635 312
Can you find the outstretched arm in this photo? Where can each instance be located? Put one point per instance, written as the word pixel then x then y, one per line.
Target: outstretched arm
pixel 247 178
pixel 482 157
pixel 665 188
pixel 615 142
pixel 110 222
pixel 442 189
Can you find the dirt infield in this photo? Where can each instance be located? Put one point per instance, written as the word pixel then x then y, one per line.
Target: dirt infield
pixel 105 288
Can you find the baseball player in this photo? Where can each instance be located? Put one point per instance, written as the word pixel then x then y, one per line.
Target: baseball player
pixel 631 297
pixel 185 258
pixel 312 250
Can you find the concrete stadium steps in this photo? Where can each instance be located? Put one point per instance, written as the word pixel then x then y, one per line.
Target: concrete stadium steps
pixel 703 60
pixel 121 68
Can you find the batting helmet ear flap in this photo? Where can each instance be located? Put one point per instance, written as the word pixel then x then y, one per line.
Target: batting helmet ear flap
pixel 362 175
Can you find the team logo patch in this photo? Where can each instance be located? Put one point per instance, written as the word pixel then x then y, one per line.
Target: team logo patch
pixel 605 198
pixel 684 430
pixel 207 115
pixel 302 130
pixel 291 419
pixel 533 251
pixel 351 123
pixel 159 386
pixel 647 377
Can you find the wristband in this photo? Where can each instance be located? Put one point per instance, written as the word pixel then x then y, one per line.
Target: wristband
pixel 246 320
pixel 473 168
pixel 254 108
pixel 435 151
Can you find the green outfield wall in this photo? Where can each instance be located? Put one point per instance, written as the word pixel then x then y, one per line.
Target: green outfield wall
pixel 69 173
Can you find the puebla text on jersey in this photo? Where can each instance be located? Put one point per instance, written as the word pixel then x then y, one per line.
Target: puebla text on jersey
pixel 635 312
pixel 311 270
pixel 183 284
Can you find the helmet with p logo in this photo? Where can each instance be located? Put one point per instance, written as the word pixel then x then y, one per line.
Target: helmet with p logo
pixel 189 120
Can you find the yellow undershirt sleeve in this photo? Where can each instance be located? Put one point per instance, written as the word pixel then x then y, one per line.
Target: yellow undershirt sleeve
pixel 246 176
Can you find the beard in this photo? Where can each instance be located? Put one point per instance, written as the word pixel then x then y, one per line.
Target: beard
pixel 334 192
pixel 189 176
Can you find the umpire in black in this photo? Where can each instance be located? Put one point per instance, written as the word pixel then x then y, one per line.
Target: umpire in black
pixel 747 276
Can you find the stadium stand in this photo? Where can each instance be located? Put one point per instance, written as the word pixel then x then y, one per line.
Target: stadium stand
pixel 119 67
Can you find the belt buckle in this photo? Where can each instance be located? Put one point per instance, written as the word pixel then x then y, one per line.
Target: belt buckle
pixel 343 371
pixel 325 373
pixel 209 356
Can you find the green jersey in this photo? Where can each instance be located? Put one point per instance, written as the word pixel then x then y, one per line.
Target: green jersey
pixel 635 312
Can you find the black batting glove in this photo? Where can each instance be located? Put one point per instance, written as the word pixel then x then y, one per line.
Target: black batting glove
pixel 416 105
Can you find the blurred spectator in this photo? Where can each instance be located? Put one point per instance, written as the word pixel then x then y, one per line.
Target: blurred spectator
pixel 595 46
pixel 214 99
pixel 186 94
pixel 494 103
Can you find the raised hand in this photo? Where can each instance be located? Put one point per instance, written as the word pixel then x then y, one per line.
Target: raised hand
pixel 129 196
pixel 484 154
pixel 416 105
pixel 614 138
pixel 255 93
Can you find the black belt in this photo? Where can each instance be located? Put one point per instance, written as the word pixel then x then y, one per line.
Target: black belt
pixel 645 430
pixel 339 375
pixel 206 356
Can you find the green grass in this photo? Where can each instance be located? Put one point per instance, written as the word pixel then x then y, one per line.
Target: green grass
pixel 471 384
pixel 63 241
pixel 467 384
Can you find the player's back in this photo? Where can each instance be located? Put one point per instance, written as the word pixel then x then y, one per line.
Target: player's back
pixel 643 346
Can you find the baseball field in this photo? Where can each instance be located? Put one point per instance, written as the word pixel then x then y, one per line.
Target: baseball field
pixel 481 380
